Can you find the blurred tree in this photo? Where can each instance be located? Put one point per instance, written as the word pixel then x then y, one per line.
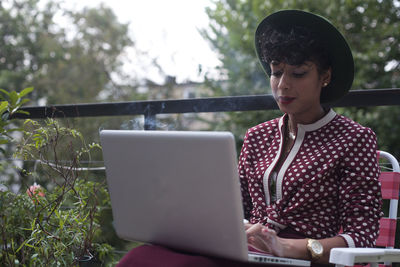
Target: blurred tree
pixel 80 61
pixel 370 26
pixel 88 65
pixel 26 33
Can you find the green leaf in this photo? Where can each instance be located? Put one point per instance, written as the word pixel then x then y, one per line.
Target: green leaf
pixel 5 116
pixel 19 248
pixel 3 106
pixel 14 130
pixel 62 222
pixel 25 91
pixel 3 141
pixel 22 112
pixel 29 245
pixel 13 98
pixel 4 92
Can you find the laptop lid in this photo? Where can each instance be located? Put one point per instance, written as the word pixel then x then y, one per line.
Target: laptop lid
pixel 176 189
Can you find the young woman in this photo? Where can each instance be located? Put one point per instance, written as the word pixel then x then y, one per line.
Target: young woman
pixel 310 173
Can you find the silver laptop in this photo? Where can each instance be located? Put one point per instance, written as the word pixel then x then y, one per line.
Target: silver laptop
pixel 179 189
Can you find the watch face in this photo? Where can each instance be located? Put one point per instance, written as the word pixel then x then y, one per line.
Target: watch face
pixel 317 247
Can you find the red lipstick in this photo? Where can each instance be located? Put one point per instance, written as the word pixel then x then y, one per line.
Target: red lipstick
pixel 285 100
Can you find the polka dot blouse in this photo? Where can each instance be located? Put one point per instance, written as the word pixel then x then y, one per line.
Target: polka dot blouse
pixel 328 181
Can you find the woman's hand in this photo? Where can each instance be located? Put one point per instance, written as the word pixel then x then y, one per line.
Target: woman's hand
pixel 265 240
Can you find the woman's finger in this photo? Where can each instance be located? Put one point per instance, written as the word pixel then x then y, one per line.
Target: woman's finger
pixel 254 229
pixel 258 242
pixel 266 231
pixel 247 225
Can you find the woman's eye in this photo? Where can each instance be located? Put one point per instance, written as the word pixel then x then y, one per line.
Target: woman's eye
pixel 299 74
pixel 276 73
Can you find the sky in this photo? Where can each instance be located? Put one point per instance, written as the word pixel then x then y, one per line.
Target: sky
pixel 167 30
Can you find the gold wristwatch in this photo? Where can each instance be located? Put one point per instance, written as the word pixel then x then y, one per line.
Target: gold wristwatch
pixel 315 248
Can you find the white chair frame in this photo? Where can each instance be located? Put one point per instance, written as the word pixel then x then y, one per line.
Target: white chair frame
pixel 350 256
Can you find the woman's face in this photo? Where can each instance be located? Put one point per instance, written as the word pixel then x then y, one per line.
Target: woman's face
pixel 297 88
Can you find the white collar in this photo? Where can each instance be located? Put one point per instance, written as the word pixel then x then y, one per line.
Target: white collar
pixel 312 126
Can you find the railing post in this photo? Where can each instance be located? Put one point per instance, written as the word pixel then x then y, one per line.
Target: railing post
pixel 150 122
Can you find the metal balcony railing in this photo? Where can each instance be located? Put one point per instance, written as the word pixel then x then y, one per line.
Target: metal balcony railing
pixel 150 109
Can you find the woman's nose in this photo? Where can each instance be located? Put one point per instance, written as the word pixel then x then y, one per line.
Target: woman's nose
pixel 284 82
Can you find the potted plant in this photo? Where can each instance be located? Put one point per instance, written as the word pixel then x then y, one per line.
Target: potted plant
pixel 55 221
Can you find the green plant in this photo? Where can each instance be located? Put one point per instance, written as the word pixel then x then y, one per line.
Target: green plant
pixel 56 224
pixel 16 211
pixel 10 104
pixel 65 223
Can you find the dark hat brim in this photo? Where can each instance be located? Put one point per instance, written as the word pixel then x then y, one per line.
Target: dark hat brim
pixel 340 52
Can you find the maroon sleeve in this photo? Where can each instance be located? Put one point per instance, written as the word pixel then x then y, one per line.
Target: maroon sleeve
pixel 360 200
pixel 244 170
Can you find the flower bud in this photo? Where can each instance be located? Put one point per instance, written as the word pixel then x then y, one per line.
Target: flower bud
pixel 34 192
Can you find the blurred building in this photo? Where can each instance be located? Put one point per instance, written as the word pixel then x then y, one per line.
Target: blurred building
pixel 170 89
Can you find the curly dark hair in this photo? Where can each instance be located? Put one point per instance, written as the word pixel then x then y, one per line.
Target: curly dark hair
pixel 293 46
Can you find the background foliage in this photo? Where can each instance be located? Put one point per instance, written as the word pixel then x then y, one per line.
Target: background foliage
pixel 79 60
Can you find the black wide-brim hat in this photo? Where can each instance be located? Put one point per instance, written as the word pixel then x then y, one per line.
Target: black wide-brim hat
pixel 334 42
